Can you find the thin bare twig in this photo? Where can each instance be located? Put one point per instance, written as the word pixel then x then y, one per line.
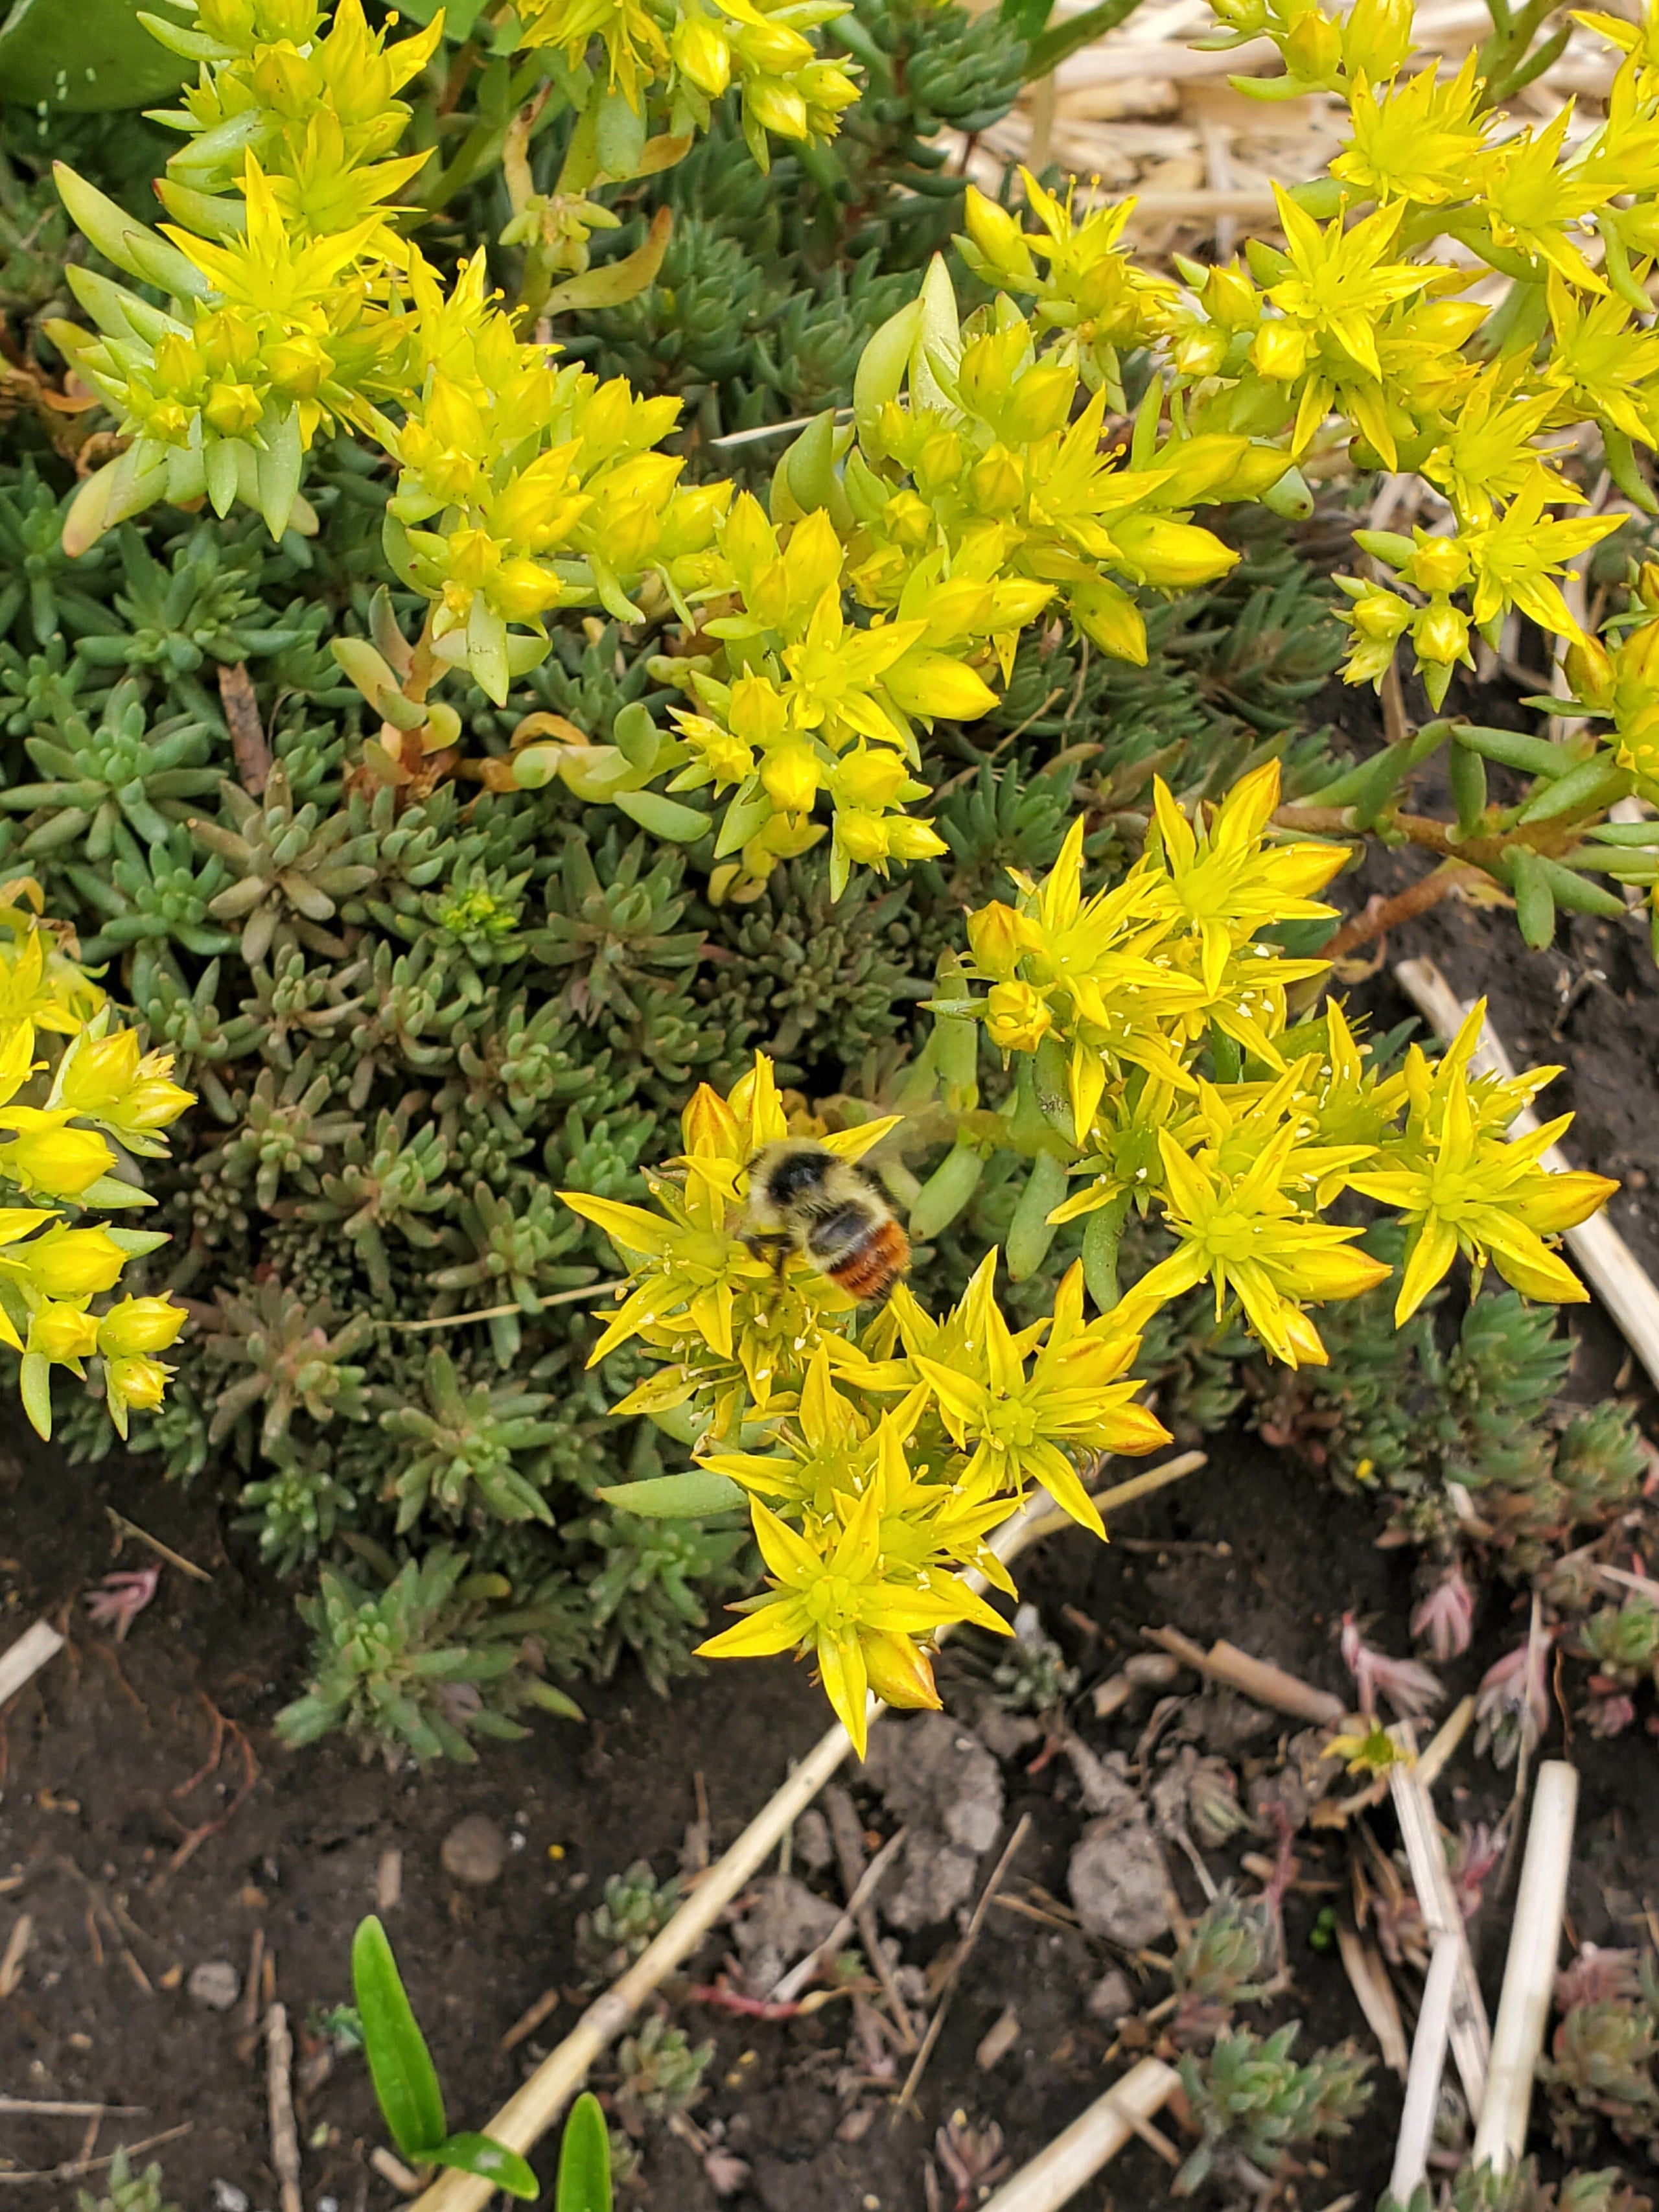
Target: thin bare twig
pixel 964 1950
pixel 162 1551
pixel 57 2108
pixel 74 2168
pixel 279 2092
pixel 801 1973
pixel 847 1835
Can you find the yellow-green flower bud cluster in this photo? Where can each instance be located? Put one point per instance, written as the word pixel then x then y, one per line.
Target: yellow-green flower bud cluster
pixel 60 1127
pixel 694 53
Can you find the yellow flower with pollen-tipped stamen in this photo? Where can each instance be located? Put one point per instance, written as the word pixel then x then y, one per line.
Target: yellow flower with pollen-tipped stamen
pixel 1014 1425
pixel 1248 1237
pixel 833 1595
pixel 1461 1187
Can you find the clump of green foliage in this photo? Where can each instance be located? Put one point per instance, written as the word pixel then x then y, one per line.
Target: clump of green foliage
pixel 411 1013
pixel 128 2191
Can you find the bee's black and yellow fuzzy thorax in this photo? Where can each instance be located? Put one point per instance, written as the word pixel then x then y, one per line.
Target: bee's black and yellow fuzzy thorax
pixel 802 1198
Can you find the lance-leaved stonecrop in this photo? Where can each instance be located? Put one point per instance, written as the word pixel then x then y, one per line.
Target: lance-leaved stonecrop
pixel 1148 1026
pixel 77 1093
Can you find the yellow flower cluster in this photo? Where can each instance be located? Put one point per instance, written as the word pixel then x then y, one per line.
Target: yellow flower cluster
pixel 1154 1020
pixel 992 475
pixel 694 53
pixel 64 1122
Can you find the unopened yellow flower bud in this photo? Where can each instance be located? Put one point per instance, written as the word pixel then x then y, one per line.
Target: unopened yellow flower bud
pixel 1589 671
pixel 1017 1018
pixel 996 233
pixel 703 53
pixel 298 366
pixel 757 712
pixel 100 1071
pixel 170 422
pixel 1376 38
pixel 909 839
pixel 999 481
pixel 1280 352
pixel 1313 50
pixel 790 775
pixel 139 1325
pixel 1647 584
pixel 940 462
pixel 869 778
pixel 474 557
pixel 47 1156
pixel 776 106
pixel 138 1382
pixel 1041 401
pixel 1200 352
pixel 522 590
pixel 228 343
pixel 1381 616
pixel 900 1672
pixel 63 1332
pixel 71 1263
pixel 989 365
pixel 1440 634
pixel 1230 298
pixel 1439 564
pixel 996 939
pixel 232 409
pixel 177 364
pixel 907 518
pixel 924 683
pixel 1177 556
pixel 862 836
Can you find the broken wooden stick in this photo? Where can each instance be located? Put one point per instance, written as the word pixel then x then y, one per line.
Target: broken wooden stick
pixel 1419 1831
pixel 1428 2063
pixel 1368 1977
pixel 27 1656
pixel 1612 1270
pixel 1523 2008
pixel 1258 1679
pixel 279 2094
pixel 1055 2175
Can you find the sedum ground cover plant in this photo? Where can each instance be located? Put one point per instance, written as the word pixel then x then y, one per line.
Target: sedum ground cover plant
pixel 451 743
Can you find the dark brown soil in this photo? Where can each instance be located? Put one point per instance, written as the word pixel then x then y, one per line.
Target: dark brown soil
pixel 99 1752
pixel 137 1861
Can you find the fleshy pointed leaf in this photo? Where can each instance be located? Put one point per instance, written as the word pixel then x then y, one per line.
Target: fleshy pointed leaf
pixel 583 2184
pixel 405 2080
pixel 491 2161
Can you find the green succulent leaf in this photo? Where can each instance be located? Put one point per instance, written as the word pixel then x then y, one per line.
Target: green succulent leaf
pixel 405 2080
pixel 491 2161
pixel 584 2183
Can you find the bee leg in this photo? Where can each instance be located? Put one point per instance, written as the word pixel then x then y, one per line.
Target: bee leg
pixel 774 1248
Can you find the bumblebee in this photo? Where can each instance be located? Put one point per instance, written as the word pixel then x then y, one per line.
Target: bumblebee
pixel 802 1198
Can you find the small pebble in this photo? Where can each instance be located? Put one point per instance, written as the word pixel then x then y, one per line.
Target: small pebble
pixel 1111 1998
pixel 227 2197
pixel 998 2040
pixel 215 1984
pixel 813 1847
pixel 474 1850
